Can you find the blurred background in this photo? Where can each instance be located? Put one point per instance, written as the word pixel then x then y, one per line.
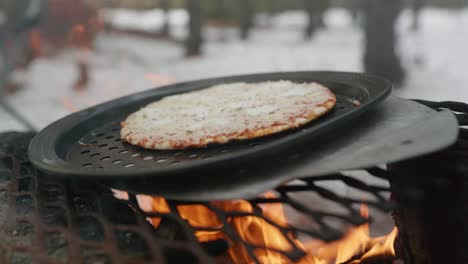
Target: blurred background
pixel 60 56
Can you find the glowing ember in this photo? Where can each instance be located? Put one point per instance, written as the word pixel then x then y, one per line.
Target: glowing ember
pixel 355 247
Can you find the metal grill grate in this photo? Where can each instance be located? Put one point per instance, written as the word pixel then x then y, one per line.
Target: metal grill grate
pixel 54 221
pixel 81 222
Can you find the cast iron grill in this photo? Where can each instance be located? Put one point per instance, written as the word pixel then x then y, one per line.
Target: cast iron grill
pixel 56 220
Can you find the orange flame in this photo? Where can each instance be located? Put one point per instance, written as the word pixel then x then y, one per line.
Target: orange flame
pixel 357 242
pixel 200 216
pixel 268 238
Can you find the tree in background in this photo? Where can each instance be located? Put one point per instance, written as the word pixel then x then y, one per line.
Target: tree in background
pixel 273 7
pixel 165 7
pixel 380 55
pixel 194 41
pixel 18 17
pixel 417 6
pixel 355 7
pixel 315 10
pixel 246 18
pixel 322 6
pixel 311 11
pixel 220 9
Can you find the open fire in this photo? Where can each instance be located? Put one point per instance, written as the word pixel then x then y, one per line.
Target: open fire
pixel 356 247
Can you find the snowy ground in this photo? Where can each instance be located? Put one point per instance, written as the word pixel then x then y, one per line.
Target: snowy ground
pixel 124 64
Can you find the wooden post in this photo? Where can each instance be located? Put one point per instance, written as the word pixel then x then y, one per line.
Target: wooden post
pixel 194 41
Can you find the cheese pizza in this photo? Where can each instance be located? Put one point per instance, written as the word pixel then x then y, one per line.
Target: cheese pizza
pixel 226 112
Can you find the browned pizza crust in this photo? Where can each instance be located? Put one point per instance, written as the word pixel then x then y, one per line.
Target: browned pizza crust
pixel 226 112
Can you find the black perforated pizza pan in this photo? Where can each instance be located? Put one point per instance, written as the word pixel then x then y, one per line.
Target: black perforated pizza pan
pixel 87 145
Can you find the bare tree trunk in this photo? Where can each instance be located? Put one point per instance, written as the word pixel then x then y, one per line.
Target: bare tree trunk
pixel 312 12
pixel 417 6
pixel 246 18
pixel 220 9
pixel 323 5
pixel 380 55
pixel 274 6
pixel 355 7
pixel 165 7
pixel 315 10
pixel 194 41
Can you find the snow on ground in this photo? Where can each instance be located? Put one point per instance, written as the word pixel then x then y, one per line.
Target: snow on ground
pixel 151 21
pixel 441 48
pixel 123 64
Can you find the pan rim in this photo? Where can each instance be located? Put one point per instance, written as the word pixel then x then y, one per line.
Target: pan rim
pixel 42 149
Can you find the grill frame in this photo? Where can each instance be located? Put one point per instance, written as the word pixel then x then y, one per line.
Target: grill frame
pixel 52 149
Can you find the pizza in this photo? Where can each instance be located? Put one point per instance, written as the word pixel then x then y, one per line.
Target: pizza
pixel 226 112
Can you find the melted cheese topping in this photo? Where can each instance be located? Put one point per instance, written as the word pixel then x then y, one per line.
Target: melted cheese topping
pixel 225 112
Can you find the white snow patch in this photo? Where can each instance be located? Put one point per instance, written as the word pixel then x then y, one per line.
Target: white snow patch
pixel 290 19
pixel 151 21
pixel 337 17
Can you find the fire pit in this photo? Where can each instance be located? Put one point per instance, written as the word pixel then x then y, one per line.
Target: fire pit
pixel 57 220
pixel 49 219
